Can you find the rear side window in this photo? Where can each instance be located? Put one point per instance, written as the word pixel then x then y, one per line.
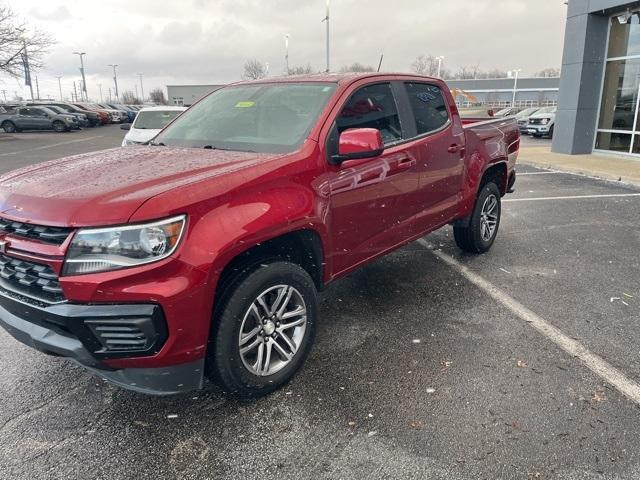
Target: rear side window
pixel 372 106
pixel 428 105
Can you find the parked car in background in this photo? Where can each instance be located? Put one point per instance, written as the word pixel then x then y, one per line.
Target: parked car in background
pixel 542 122
pixel 131 113
pixel 83 121
pixel 523 118
pixel 202 252
pixel 148 123
pixel 117 115
pixel 506 112
pixel 92 117
pixel 37 118
pixel 105 117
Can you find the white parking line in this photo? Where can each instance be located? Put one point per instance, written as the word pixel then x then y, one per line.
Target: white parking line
pixel 44 147
pixel 595 363
pixel 571 197
pixel 537 173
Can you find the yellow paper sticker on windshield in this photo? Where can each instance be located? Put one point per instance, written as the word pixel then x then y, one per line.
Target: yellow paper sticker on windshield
pixel 245 104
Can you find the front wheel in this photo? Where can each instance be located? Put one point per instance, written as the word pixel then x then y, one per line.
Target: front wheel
pixel 59 127
pixel 263 329
pixel 480 232
pixel 8 127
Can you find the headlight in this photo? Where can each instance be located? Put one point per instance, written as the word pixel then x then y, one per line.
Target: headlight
pixel 114 248
pixel 545 121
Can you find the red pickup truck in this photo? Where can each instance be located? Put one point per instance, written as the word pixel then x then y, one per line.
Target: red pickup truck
pixel 200 255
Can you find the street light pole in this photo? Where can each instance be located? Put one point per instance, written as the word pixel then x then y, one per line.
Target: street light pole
pixel 100 88
pixel 326 19
pixel 440 59
pixel 60 86
pixel 141 87
pixel 286 52
pixel 515 74
pixel 83 89
pixel 115 78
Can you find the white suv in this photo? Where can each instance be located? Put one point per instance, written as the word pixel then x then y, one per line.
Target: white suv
pixel 542 122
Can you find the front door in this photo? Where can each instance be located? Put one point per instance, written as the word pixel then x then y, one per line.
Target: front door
pixel 372 200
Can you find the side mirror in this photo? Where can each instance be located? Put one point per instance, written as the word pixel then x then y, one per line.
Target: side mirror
pixel 125 126
pixel 357 143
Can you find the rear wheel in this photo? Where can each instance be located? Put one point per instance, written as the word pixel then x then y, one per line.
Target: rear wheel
pixel 480 232
pixel 9 127
pixel 263 328
pixel 58 126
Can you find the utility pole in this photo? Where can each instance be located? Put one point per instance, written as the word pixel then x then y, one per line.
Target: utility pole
pixel 136 87
pixel 37 88
pixel 109 94
pixel 440 59
pixel 100 87
pixel 25 63
pixel 84 81
pixel 141 87
pixel 514 74
pixel 380 62
pixel 115 78
pixel 60 86
pixel 326 19
pixel 75 92
pixel 286 52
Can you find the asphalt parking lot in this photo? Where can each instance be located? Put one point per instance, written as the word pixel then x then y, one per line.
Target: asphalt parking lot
pixel 429 364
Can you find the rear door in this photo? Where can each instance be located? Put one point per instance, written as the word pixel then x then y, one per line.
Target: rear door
pixel 373 201
pixel 439 146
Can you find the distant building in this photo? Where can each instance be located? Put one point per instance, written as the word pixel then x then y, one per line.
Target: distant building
pixel 187 95
pixel 499 92
pixel 599 104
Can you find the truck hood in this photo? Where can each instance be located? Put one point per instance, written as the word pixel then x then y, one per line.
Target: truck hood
pixel 107 187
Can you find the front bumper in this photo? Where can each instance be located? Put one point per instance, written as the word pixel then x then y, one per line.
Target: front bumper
pixel 538 129
pixel 69 330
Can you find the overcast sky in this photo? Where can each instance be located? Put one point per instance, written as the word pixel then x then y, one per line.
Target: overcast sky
pixel 208 41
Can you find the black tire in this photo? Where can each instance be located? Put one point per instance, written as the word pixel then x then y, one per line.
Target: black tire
pixel 59 126
pixel 225 364
pixel 9 127
pixel 551 131
pixel 536 135
pixel 470 238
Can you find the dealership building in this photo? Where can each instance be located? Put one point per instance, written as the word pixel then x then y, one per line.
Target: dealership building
pixel 505 92
pixel 598 103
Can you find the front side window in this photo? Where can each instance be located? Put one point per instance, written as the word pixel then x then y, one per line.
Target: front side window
pixel 263 118
pixel 428 106
pixel 372 106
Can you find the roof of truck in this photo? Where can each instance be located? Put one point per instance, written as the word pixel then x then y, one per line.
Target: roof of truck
pixel 335 77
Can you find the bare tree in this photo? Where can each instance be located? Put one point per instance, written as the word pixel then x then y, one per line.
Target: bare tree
pixel 464 72
pixel 129 98
pixel 254 70
pixel 15 36
pixel 157 96
pixel 357 67
pixel 305 70
pixel 548 72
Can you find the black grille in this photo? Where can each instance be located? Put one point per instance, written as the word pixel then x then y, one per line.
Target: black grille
pixel 32 280
pixel 55 235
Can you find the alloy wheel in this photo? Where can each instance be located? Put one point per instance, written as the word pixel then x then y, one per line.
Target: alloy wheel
pixel 272 330
pixel 489 218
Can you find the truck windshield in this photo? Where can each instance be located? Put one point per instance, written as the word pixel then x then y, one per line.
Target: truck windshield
pixel 155 119
pixel 263 118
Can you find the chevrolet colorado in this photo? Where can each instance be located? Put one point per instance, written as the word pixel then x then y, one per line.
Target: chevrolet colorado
pixel 201 254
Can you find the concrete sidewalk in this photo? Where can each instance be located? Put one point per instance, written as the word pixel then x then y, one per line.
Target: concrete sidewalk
pixel 610 167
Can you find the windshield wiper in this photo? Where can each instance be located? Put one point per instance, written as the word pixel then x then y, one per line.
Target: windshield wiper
pixel 213 147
